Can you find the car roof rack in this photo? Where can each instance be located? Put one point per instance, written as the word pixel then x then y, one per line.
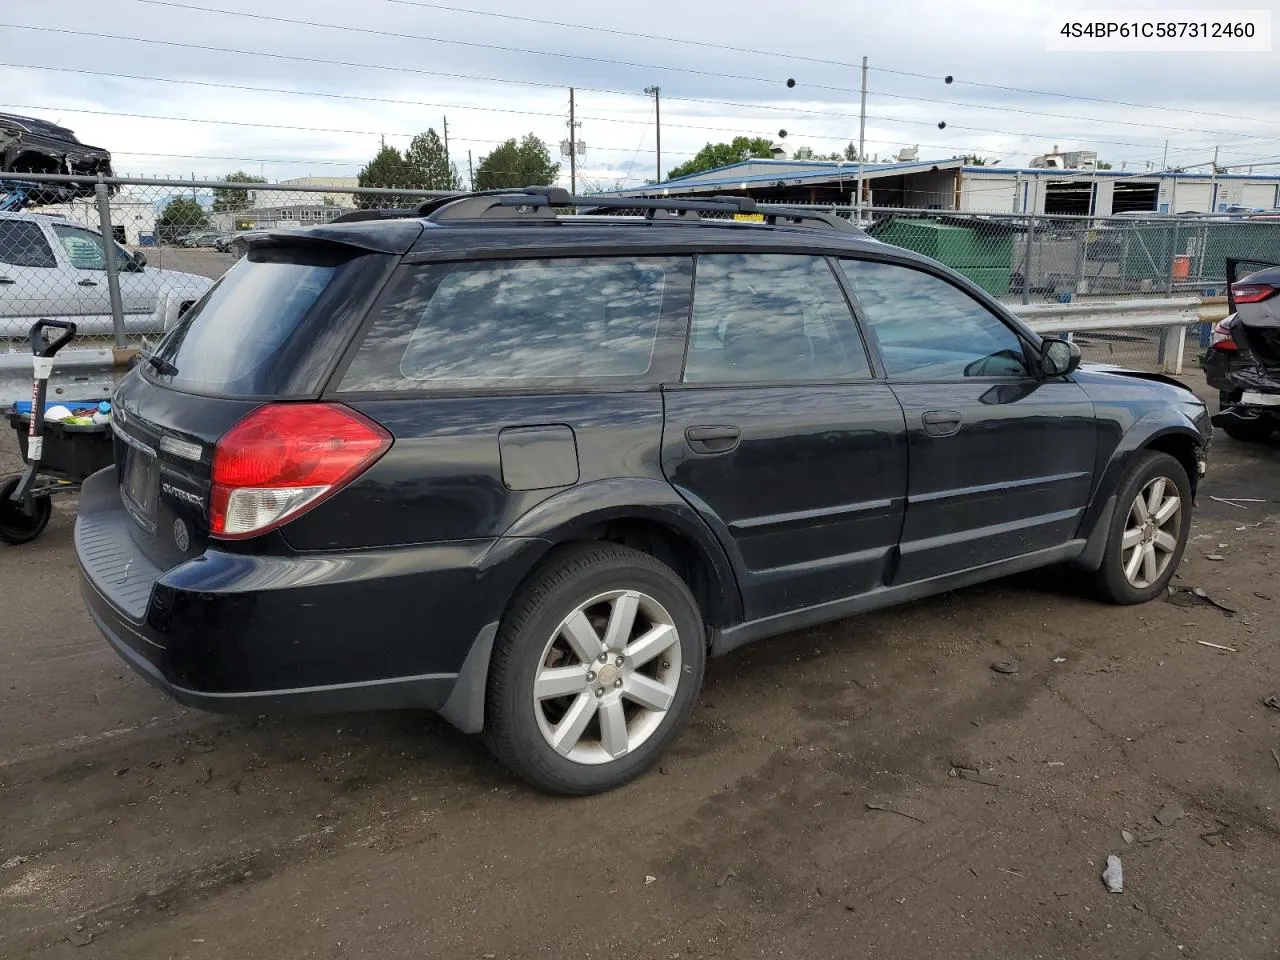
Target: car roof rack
pixel 540 203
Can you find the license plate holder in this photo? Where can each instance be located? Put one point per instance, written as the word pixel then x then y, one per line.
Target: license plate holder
pixel 1261 399
pixel 141 486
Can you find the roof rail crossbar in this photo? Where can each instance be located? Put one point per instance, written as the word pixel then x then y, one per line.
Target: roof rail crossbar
pixel 538 203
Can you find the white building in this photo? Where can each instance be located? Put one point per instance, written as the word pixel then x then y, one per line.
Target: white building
pixel 951 185
pixel 130 216
pixel 340 197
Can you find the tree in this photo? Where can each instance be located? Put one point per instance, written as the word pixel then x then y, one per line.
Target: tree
pixel 428 165
pixel 388 170
pixel 722 154
pixel 973 160
pixel 227 198
pixel 182 213
pixel 511 164
pixel 1103 165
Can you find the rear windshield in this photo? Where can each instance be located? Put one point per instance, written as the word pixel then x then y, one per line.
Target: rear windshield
pixel 252 333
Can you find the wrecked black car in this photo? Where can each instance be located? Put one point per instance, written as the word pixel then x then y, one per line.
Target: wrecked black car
pixel 1243 360
pixel 28 145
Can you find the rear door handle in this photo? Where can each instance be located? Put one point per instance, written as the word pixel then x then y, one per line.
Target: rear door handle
pixel 88 283
pixel 941 423
pixel 6 280
pixel 713 438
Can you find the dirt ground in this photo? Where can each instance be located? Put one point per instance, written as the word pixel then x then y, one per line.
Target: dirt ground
pixel 870 788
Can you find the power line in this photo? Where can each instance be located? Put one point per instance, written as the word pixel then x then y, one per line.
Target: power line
pixel 265 126
pixel 613 62
pixel 413 70
pixel 463 43
pixel 208 48
pixel 631 34
pixel 541 113
pixel 1071 96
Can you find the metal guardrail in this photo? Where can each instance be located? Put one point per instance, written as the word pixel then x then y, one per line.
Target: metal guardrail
pixel 1170 317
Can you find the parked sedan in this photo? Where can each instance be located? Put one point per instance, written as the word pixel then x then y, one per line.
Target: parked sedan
pixel 201 239
pixel 1243 361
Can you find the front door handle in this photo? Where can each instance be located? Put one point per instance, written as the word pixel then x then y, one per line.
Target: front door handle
pixel 7 280
pixel 941 423
pixel 88 283
pixel 720 438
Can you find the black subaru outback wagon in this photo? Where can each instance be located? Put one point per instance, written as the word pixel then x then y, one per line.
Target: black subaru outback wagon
pixel 529 469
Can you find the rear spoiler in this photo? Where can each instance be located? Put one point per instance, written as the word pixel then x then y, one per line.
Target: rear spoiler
pixel 394 237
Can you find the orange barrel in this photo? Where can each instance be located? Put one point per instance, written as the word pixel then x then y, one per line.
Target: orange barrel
pixel 1181 267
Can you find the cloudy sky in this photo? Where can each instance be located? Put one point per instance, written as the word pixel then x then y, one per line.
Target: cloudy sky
pixel 307 87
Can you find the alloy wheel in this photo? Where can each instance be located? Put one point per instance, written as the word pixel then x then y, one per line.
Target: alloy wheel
pixel 607 677
pixel 1152 533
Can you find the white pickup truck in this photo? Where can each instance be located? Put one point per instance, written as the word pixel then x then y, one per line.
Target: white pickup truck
pixel 54 267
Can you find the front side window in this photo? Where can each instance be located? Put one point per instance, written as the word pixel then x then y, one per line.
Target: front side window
pixel 522 323
pixel 83 247
pixel 22 244
pixel 770 318
pixel 928 329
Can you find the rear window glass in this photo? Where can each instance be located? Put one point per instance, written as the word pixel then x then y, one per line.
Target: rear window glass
pixel 232 340
pixel 505 323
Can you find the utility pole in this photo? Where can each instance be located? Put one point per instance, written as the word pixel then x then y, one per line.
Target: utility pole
pixel 447 161
pixel 862 142
pixel 471 174
pixel 1164 164
pixel 1213 189
pixel 573 148
pixel 656 93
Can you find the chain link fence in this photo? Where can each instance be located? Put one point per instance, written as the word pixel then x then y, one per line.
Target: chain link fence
pixel 171 239
pixel 124 258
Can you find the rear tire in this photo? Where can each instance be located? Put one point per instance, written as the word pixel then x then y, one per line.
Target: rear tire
pixel 16 526
pixel 1148 531
pixel 595 670
pixel 1250 431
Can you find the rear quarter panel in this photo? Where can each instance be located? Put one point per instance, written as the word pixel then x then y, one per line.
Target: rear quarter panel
pixel 443 477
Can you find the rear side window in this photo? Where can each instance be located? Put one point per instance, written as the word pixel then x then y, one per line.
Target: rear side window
pixel 22 244
pixel 265 328
pixel 520 323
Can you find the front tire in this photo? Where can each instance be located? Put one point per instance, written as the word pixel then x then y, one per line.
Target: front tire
pixel 1148 531
pixel 595 669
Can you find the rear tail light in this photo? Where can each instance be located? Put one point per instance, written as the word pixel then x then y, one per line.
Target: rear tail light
pixel 1246 292
pixel 1220 337
pixel 284 459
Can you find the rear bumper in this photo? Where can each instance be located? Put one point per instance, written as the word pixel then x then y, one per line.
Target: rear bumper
pixel 362 630
pixel 429 692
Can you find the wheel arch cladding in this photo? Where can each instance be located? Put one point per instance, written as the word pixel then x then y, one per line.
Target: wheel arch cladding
pixel 646 515
pixel 1183 447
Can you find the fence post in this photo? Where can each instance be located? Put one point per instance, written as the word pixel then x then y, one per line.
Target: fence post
pixel 109 258
pixel 1173 252
pixel 1027 272
pixel 1173 345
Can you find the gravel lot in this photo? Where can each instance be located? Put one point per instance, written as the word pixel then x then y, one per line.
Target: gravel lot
pixel 870 788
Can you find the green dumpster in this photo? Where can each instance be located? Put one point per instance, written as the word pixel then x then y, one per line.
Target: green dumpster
pixel 983 256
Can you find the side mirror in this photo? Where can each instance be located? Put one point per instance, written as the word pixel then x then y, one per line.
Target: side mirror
pixel 1059 358
pixel 140 259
